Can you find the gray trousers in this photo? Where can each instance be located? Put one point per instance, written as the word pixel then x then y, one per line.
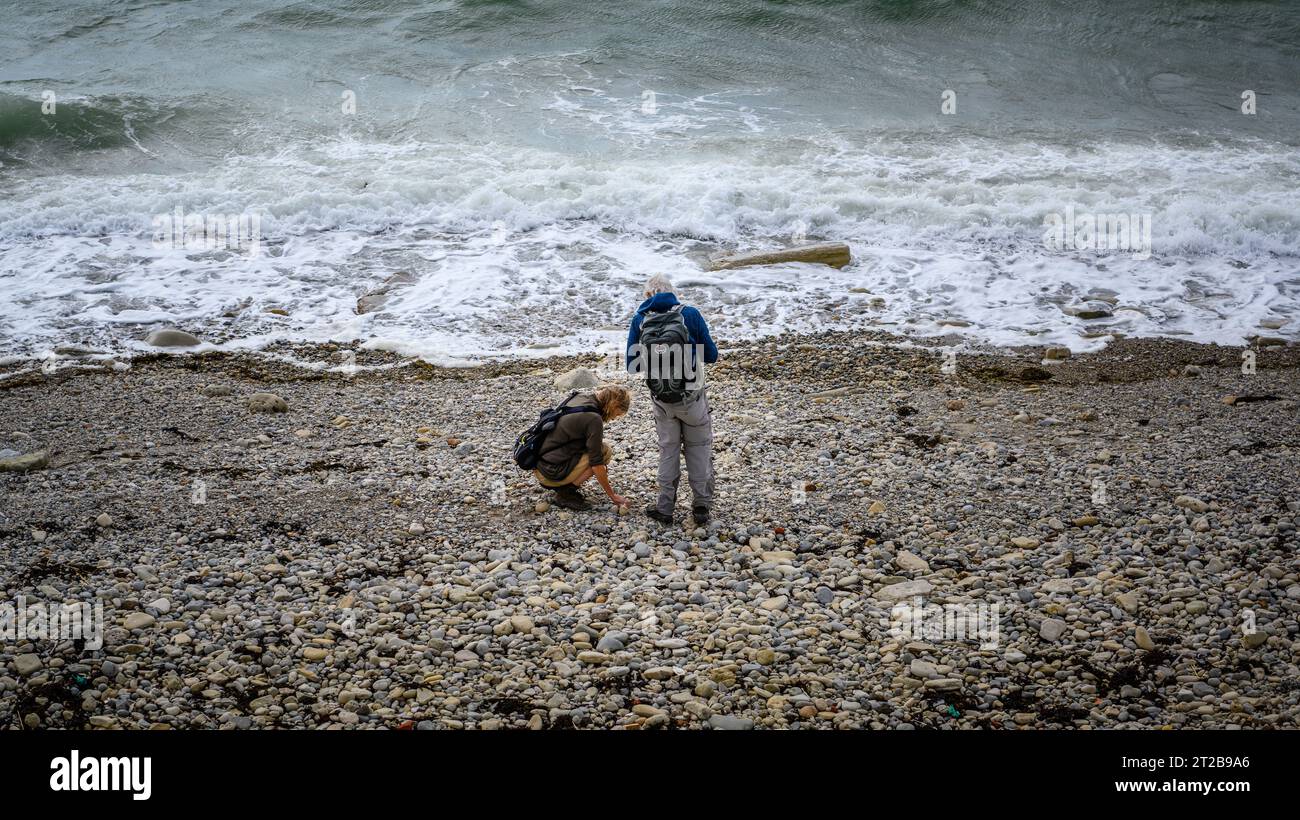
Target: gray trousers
pixel 688 428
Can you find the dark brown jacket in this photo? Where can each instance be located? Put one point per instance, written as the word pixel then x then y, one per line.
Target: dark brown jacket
pixel 574 436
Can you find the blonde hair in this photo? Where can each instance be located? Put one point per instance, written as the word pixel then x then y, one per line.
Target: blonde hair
pixel 613 400
pixel 658 284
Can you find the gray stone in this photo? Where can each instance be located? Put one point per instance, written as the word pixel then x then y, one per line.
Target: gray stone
pixel 38 460
pixel 579 378
pixel 1052 629
pixel 730 723
pixel 904 590
pixel 171 337
pixel 267 403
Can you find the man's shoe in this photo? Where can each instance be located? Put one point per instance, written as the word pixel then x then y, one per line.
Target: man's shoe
pixel 701 515
pixel 654 513
pixel 571 498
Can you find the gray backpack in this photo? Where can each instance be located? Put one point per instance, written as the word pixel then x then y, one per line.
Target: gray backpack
pixel 667 348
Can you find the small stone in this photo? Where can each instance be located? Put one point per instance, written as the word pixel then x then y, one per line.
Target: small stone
pixel 579 378
pixel 923 670
pixel 315 653
pixel 541 507
pixel 730 723
pixel 910 562
pixel 609 643
pixel 415 528
pixel 904 590
pixel 1051 629
pixel 766 657
pixel 1191 503
pixel 876 508
pixel 171 337
pixel 660 673
pixel 38 460
pixel 104 520
pixel 1128 601
pixel 138 620
pixel 267 403
pixel 1143 639
pixel 27 664
pixel 775 604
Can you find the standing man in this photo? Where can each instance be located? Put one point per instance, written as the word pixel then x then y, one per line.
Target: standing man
pixel 669 344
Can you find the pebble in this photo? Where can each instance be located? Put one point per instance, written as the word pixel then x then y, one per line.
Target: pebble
pixel 300 597
pixel 267 403
pixel 1051 629
pixel 1143 639
pixel 138 620
pixel 730 723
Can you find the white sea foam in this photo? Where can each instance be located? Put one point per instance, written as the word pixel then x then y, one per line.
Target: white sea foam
pixel 522 251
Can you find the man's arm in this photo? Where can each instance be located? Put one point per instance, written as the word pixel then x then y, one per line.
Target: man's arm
pixel 700 334
pixel 633 336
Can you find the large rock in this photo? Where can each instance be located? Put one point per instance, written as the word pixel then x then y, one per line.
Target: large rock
pixel 376 299
pixel 1191 503
pixel 267 403
pixel 835 254
pixel 38 460
pixel 730 723
pixel 911 562
pixel 904 590
pixel 1094 309
pixel 171 337
pixel 579 378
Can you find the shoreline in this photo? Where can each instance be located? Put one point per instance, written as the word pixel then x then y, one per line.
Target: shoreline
pixel 371 559
pixel 327 359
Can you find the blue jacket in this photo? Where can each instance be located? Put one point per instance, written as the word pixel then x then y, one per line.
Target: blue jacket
pixel 694 322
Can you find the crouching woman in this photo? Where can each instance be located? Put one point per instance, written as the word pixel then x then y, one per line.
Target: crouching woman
pixel 576 450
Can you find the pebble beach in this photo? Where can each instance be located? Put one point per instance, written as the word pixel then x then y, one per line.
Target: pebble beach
pixel 287 546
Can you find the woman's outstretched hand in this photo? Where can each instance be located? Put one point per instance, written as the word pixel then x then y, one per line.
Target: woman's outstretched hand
pixel 619 501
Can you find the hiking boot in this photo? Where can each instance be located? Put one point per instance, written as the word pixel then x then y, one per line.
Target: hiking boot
pixel 662 518
pixel 701 515
pixel 570 497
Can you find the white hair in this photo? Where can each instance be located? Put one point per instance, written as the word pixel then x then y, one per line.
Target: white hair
pixel 658 284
